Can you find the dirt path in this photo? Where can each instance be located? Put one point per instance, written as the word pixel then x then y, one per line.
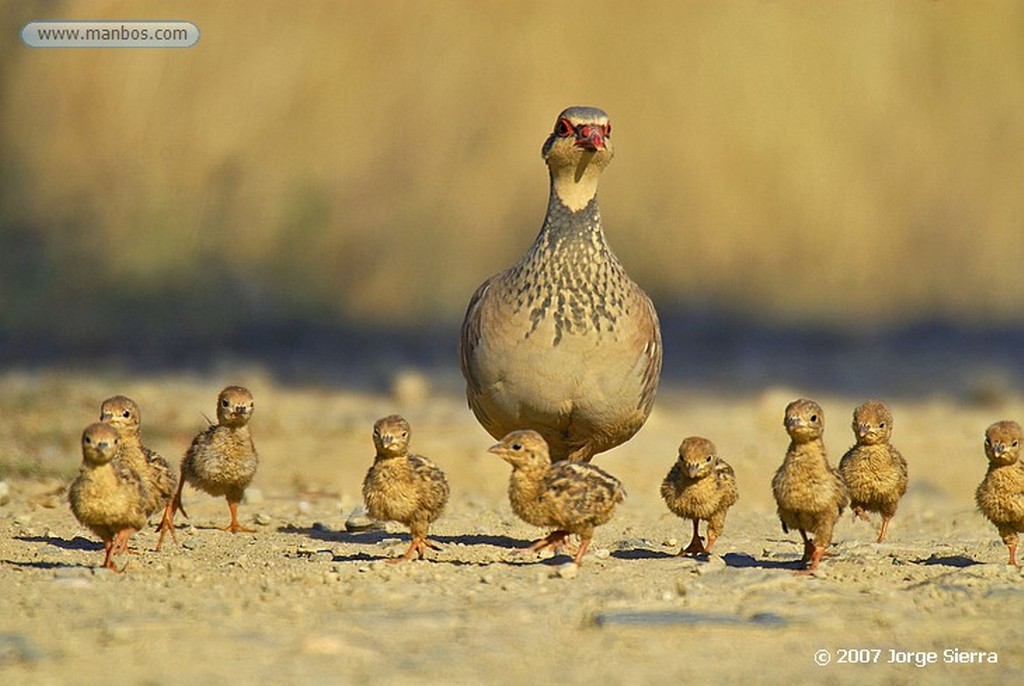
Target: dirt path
pixel 304 601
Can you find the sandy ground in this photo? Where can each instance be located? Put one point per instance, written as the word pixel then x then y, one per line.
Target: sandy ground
pixel 305 601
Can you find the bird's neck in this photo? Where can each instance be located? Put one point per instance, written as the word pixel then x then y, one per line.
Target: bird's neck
pixel 813 449
pixel 575 187
pixel 574 235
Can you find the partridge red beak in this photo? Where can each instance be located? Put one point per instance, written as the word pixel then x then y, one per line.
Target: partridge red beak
pixel 590 137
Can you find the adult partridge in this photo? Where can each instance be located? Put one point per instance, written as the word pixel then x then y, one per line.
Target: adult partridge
pixel 563 342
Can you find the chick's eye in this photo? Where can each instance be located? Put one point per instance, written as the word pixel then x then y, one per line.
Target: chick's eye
pixel 405 434
pixel 1015 443
pixel 126 414
pixel 564 128
pixel 517 446
pixel 814 417
pixel 709 458
pixel 607 129
pixel 225 402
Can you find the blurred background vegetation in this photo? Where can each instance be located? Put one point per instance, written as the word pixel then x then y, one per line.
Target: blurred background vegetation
pixel 333 179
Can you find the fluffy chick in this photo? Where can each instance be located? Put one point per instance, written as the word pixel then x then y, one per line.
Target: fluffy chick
pixel 222 459
pixel 874 471
pixel 699 486
pixel 809 493
pixel 123 414
pixel 571 497
pixel 1000 496
pixel 108 497
pixel 404 488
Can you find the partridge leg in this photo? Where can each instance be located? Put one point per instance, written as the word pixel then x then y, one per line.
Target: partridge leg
pixel 166 525
pixel 696 546
pixel 808 548
pixel 584 544
pixel 885 527
pixel 554 540
pixel 235 526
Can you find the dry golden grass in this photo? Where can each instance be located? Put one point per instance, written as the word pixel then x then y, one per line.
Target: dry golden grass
pixel 371 162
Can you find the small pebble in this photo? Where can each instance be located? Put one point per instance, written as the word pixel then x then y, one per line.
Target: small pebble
pixel 304 507
pixel 670 543
pixel 602 553
pixel 358 520
pixel 262 518
pixel 5 493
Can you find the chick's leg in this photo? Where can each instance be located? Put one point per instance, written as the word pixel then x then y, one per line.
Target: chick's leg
pixel 696 546
pixel 235 526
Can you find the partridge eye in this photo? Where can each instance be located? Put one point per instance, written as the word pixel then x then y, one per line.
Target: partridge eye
pixel 814 417
pixel 1015 443
pixel 607 129
pixel 517 446
pixel 225 402
pixel 88 440
pixel 881 425
pixel 405 434
pixel 708 458
pixel 563 128
pixel 126 414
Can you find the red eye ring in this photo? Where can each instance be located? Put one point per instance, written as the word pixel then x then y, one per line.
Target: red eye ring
pixel 564 128
pixel 607 129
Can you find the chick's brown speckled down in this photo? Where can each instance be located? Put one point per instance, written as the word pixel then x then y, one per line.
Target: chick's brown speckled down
pixel 571 497
pixel 123 414
pixel 873 469
pixel 222 459
pixel 1000 496
pixel 564 342
pixel 809 493
pixel 404 488
pixel 108 497
pixel 699 486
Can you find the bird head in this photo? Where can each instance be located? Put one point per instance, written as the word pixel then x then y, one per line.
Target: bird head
pixel 523 450
pixel 99 443
pixel 804 420
pixel 872 423
pixel 578 149
pixel 122 413
pixel 234 406
pixel 1002 442
pixel 391 436
pixel 697 456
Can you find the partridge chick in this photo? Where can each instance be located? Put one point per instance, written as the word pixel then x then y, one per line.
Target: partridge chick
pixel 699 486
pixel 123 414
pixel 404 488
pixel 108 497
pixel 564 342
pixel 874 471
pixel 222 459
pixel 1000 496
pixel 571 497
pixel 809 493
